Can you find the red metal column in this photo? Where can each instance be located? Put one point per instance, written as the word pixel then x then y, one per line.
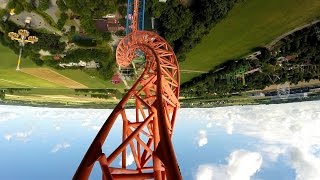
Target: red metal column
pixel 148 136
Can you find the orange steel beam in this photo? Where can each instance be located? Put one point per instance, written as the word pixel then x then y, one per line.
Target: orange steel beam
pixel 135 22
pixel 148 134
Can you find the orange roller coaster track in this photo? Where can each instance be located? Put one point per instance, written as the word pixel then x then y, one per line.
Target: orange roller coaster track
pixel 148 135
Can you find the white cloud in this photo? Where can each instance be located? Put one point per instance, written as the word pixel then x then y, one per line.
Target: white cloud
pixel 242 165
pixel 202 138
pixel 58 128
pixel 87 123
pixel 306 165
pixel 59 147
pixel 205 172
pixel 8 137
pixel 291 129
pixel 229 127
pixel 273 152
pixel 96 128
pixel 22 136
pixel 129 159
pixel 6 116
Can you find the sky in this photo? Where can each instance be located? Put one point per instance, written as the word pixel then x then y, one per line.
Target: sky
pixel 263 142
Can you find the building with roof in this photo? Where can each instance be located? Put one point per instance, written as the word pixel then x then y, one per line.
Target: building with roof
pixel 109 24
pixel 116 79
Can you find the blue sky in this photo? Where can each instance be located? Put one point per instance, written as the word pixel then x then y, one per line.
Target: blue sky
pixel 240 142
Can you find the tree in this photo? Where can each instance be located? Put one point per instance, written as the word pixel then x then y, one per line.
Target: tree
pixel 2 94
pixel 265 55
pixel 172 24
pixel 62 6
pixel 19 8
pixel 72 30
pixel 106 36
pixel 62 20
pixel 122 10
pixel 120 33
pixel 43 5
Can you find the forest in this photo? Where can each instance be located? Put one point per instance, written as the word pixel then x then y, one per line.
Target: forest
pixel 182 26
pixel 293 59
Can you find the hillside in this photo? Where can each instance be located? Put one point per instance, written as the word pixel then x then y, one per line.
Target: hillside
pixel 248 25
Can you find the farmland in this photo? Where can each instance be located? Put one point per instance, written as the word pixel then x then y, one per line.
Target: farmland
pixel 250 24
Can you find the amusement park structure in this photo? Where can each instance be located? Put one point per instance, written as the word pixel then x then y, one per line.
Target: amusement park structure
pixel 146 135
pixel 23 38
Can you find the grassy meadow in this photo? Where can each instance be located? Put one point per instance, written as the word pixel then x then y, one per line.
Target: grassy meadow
pixel 248 25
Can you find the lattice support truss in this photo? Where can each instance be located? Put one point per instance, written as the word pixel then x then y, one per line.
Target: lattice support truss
pixel 148 135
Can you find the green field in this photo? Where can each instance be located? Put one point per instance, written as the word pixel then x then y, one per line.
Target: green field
pixel 89 81
pixel 248 25
pixel 8 59
pixel 10 78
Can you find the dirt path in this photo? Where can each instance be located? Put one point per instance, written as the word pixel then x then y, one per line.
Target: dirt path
pixel 270 45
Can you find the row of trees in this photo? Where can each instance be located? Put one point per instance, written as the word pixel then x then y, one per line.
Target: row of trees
pixel 303 45
pixel 2 94
pixel 183 26
pixel 100 93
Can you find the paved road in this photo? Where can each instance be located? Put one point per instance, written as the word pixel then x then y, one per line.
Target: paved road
pixel 269 46
pixel 53 10
pixel 37 21
pixel 3 4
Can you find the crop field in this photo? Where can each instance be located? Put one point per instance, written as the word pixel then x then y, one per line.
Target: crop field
pixel 250 24
pixel 52 76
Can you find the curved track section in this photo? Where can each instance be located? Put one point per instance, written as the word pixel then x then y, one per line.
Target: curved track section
pixel 147 135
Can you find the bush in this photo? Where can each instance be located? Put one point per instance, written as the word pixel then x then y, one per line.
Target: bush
pixel 120 33
pixel 106 36
pixel 84 41
pixel 62 20
pixel 72 30
pixel 43 5
pixel 62 6
pixel 36 59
